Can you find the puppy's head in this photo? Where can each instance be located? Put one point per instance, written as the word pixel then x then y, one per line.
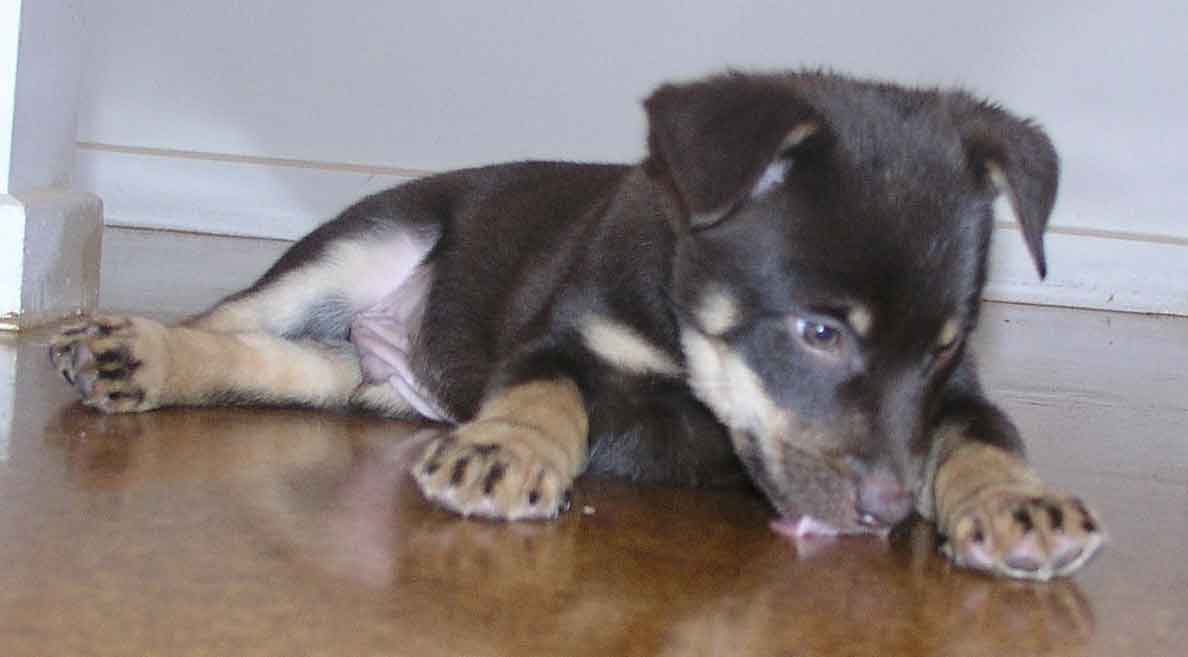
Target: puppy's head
pixel 834 239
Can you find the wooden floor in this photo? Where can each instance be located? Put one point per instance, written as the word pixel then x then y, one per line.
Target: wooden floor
pixel 284 533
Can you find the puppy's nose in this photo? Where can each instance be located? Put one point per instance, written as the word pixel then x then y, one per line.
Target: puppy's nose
pixel 882 500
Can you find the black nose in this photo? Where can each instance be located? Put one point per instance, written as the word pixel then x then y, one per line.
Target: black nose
pixel 882 500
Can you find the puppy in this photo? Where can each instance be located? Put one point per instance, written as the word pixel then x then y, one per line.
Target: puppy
pixel 782 290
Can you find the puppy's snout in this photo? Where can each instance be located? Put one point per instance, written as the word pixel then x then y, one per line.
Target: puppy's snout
pixel 882 500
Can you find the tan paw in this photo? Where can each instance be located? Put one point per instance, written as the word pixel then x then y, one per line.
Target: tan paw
pixel 116 363
pixel 1024 535
pixel 486 468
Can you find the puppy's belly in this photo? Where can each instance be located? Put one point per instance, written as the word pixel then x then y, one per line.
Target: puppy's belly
pixel 384 335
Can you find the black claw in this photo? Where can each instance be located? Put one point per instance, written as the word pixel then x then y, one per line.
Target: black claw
pixel 1087 524
pixel 485 449
pixel 533 497
pixel 111 356
pixel 116 396
pixel 494 475
pixel 1056 516
pixel 118 373
pixel 68 376
pixel 459 470
pixel 1023 517
pixel 434 460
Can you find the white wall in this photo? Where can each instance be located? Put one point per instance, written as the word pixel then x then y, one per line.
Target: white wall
pixel 352 95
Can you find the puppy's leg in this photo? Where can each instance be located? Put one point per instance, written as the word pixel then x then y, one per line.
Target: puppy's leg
pixel 322 281
pixel 132 364
pixel 282 341
pixel 516 459
pixel 995 511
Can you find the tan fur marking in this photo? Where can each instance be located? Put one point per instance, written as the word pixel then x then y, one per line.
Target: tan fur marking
pixel 201 364
pixel 381 399
pixel 132 364
pixel 998 516
pixel 718 312
pixel 554 414
pixel 621 346
pixel 974 470
pixel 860 320
pixel 948 333
pixel 516 459
pixel 723 381
pixel 1004 205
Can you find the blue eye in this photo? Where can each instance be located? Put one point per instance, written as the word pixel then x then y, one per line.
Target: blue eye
pixel 818 336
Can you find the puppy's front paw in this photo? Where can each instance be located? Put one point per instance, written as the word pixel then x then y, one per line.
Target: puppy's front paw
pixel 492 468
pixel 116 363
pixel 1024 535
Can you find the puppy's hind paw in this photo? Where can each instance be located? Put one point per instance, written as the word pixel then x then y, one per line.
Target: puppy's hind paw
pixel 116 363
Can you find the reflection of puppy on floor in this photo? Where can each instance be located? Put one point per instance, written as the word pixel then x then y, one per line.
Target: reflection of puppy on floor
pixel 920 610
pixel 329 492
pixel 782 289
pixel 322 489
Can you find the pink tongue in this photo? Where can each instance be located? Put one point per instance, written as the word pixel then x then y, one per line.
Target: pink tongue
pixel 803 526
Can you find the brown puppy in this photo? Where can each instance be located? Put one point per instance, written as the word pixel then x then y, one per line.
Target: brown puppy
pixel 781 290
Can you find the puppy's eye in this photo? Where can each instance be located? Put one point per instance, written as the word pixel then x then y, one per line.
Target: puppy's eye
pixel 819 336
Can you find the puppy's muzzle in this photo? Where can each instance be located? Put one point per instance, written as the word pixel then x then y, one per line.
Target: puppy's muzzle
pixel 882 500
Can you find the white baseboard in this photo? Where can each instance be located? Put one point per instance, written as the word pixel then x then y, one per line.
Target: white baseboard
pixel 1100 271
pixel 272 198
pixel 170 275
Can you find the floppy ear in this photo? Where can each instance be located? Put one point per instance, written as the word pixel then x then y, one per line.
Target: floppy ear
pixel 1017 159
pixel 717 141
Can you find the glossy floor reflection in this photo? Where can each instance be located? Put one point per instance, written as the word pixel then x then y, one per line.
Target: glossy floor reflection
pixel 272 532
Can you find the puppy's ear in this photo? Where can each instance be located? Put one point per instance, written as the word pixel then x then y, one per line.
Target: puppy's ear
pixel 719 141
pixel 1016 158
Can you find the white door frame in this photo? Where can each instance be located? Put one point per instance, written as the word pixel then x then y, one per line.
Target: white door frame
pixel 50 235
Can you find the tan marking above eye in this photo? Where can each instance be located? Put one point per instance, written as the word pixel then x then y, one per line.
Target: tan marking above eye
pixel 860 320
pixel 948 333
pixel 718 312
